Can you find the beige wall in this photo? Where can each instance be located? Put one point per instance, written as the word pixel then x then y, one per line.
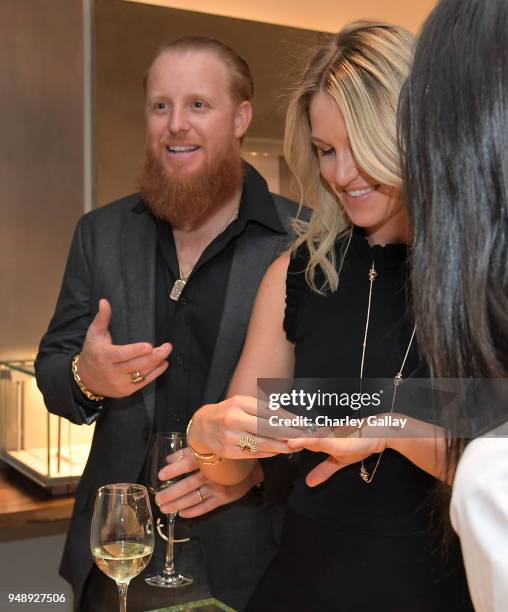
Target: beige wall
pixel 41 160
pixel 41 117
pixel 324 15
pixel 42 113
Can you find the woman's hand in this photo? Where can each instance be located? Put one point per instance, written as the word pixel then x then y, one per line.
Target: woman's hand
pixel 422 443
pixel 343 451
pixel 196 494
pixel 219 428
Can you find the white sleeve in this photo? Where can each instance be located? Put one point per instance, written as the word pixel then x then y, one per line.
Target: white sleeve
pixel 479 515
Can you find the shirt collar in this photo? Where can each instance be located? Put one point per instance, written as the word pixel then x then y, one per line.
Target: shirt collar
pixel 257 203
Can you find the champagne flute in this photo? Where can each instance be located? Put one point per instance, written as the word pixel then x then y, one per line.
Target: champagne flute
pixel 166 447
pixel 122 537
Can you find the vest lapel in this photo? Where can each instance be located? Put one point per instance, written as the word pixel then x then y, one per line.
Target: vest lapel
pixel 251 259
pixel 138 264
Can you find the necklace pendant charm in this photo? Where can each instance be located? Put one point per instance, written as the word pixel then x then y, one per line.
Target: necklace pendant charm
pixel 364 474
pixel 177 289
pixel 372 274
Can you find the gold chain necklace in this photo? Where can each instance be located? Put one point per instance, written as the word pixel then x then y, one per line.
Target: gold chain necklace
pixel 397 381
pixel 179 284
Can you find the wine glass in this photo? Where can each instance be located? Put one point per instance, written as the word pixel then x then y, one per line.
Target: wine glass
pixel 166 447
pixel 122 537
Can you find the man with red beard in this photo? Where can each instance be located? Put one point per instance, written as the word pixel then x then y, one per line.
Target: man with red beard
pixel 151 319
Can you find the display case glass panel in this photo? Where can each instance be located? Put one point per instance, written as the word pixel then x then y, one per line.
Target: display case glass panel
pixel 49 449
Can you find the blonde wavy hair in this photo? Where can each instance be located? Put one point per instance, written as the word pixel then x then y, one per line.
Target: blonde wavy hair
pixel 362 68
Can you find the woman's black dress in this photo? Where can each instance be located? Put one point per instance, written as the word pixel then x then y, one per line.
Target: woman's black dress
pixel 348 545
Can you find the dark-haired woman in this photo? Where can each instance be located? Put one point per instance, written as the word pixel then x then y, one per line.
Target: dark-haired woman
pixel 454 128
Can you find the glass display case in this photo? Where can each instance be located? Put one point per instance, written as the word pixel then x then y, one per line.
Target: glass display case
pixel 203 605
pixel 47 448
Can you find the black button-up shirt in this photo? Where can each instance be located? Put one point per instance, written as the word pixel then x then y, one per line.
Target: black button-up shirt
pixel 191 324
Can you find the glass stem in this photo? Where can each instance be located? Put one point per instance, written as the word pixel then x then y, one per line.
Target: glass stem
pixel 122 594
pixel 169 567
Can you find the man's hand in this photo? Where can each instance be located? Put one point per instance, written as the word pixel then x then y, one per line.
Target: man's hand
pixel 106 368
pixel 196 494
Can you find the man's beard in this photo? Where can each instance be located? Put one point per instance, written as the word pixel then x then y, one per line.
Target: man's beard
pixel 189 201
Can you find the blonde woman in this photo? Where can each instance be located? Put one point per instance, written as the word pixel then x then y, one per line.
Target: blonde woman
pixel 357 529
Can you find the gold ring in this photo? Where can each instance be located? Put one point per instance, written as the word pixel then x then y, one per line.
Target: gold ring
pixel 248 444
pixel 137 377
pixel 202 496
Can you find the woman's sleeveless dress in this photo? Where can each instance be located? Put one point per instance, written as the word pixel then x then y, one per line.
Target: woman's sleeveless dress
pixel 348 545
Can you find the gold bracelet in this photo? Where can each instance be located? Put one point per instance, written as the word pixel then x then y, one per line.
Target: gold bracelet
pixel 204 458
pixel 89 394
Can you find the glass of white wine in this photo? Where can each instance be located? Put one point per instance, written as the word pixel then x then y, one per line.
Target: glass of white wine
pixel 122 536
pixel 166 447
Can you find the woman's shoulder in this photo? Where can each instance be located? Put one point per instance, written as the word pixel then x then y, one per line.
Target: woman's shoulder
pixel 296 288
pixel 298 260
pixel 301 257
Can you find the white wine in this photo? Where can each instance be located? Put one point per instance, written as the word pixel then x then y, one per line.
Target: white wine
pixel 122 560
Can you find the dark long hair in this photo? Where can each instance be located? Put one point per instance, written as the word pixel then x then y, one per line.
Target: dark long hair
pixel 453 131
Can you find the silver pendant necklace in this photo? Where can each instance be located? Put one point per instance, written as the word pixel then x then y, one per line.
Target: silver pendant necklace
pixel 179 284
pixel 177 288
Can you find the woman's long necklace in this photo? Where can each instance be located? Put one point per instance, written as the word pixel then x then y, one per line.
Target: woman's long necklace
pixel 397 381
pixel 179 284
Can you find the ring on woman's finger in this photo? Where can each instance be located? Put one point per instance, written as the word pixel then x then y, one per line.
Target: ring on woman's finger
pixel 137 377
pixel 311 429
pixel 202 496
pixel 248 444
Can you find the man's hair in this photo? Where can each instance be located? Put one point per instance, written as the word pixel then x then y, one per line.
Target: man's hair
pixel 242 84
pixel 362 69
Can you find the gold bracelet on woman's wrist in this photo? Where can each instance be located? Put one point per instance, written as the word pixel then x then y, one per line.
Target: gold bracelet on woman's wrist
pixel 204 458
pixel 86 392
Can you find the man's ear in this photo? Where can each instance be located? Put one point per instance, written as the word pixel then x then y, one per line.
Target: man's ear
pixel 243 117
